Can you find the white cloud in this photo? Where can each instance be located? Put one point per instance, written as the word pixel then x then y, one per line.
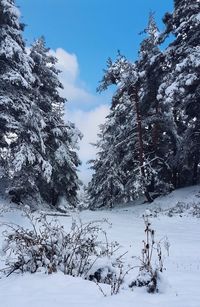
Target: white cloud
pixel 67 63
pixel 74 90
pixel 80 100
pixel 88 123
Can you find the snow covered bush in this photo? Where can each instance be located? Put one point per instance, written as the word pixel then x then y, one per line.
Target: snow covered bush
pixel 184 209
pixel 150 270
pixel 46 245
pixel 110 270
pixel 179 209
pixel 83 251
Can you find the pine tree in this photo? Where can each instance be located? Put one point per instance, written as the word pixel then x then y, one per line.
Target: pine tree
pixel 180 91
pixel 20 122
pixel 154 123
pixel 109 182
pixel 120 172
pixel 15 77
pixel 125 146
pixel 37 148
pixel 60 138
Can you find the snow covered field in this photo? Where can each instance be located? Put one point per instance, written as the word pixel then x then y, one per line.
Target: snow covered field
pixel 180 287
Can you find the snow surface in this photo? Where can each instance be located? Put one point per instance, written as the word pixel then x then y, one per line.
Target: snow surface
pixel 180 285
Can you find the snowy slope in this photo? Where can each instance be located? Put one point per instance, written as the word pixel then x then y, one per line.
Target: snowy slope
pixel 180 287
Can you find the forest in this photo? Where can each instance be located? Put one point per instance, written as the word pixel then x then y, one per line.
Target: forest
pixel 130 237
pixel 149 144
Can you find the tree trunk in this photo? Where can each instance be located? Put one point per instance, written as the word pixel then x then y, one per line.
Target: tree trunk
pixel 111 193
pixel 155 130
pixel 195 171
pixel 134 94
pixel 54 198
pixel 174 178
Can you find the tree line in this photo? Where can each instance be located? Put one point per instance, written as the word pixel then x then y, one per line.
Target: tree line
pixel 150 142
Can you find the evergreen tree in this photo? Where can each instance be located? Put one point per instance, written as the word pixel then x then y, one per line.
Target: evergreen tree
pixel 179 91
pixel 15 77
pixel 120 173
pixel 60 138
pixel 155 125
pixel 37 148
pixel 132 126
pixel 20 122
pixel 111 182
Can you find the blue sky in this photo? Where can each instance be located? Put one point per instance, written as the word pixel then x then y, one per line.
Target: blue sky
pixel 83 34
pixel 92 29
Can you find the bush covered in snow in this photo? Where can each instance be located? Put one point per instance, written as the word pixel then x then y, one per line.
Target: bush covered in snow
pixel 151 266
pixel 47 245
pixel 83 251
pixel 179 209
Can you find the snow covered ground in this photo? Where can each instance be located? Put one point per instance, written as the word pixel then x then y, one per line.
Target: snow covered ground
pixel 180 287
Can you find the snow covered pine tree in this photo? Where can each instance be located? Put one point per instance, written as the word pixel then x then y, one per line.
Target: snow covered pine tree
pixel 20 124
pixel 128 146
pixel 60 138
pixel 36 145
pixel 179 92
pixel 112 180
pixel 121 151
pixel 154 124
